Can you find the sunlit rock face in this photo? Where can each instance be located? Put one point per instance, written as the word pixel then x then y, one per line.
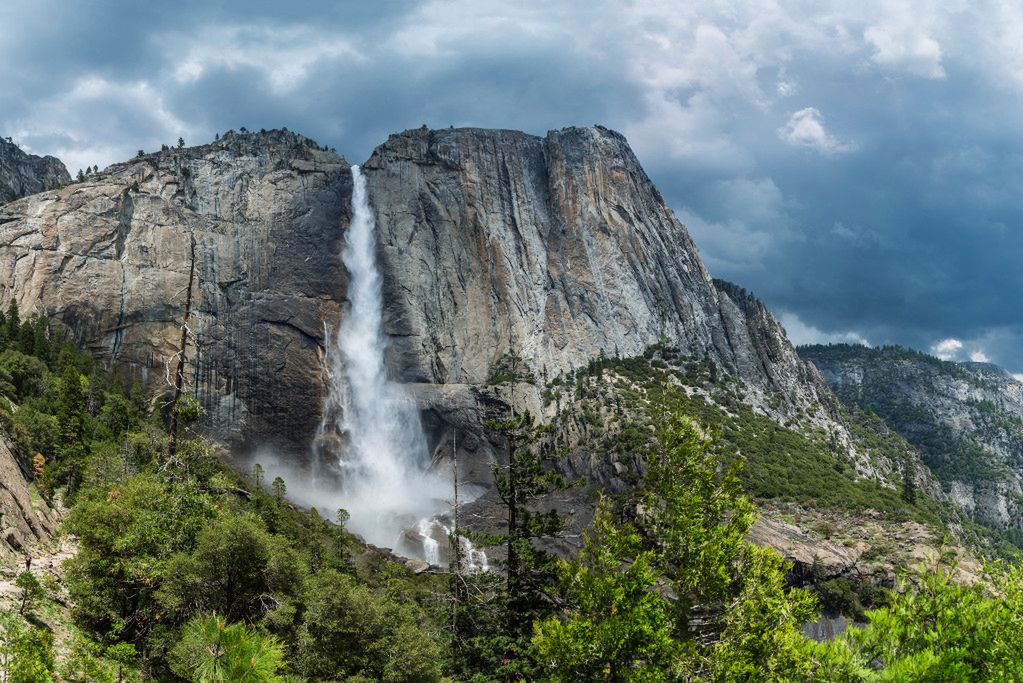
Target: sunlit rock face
pixel 23 174
pixel 25 518
pixel 555 249
pixel 111 258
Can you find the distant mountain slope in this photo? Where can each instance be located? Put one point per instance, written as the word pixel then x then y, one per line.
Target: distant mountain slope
pixel 966 418
pixel 23 174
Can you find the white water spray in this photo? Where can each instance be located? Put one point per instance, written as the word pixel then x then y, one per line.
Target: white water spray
pixel 379 449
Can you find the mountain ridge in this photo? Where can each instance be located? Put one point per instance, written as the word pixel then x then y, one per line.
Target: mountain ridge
pixel 967 418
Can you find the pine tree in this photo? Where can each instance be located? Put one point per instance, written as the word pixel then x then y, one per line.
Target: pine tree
pixel 618 625
pixel 529 570
pixel 13 321
pixel 278 489
pixel 215 651
pixel 257 477
pixel 908 482
pixel 41 340
pixel 27 337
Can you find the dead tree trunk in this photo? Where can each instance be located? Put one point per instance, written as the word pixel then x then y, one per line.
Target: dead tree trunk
pixel 179 376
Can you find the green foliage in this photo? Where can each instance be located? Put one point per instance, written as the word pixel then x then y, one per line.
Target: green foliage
pixel 935 629
pixel 349 630
pixel 213 651
pixel 530 570
pixel 891 395
pixel 762 639
pixel 780 463
pixel 26 652
pixel 127 534
pixel 85 662
pixel 237 569
pixel 31 590
pixel 619 627
pixel 730 616
pixel 25 374
pixel 181 571
pixel 694 514
pixel 123 654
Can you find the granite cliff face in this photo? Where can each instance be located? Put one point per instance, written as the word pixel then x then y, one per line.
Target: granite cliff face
pixel 260 216
pixel 966 418
pixel 554 250
pixel 501 250
pixel 23 174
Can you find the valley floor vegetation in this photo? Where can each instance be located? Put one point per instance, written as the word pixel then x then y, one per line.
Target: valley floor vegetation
pixel 187 571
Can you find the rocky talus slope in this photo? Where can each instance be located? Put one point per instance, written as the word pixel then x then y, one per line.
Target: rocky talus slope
pixel 23 174
pixel 966 418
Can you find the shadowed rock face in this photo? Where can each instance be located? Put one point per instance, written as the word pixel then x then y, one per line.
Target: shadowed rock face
pixel 262 214
pixel 492 245
pixel 23 174
pixel 25 520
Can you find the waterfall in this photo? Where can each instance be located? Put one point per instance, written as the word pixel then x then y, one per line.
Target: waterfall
pixel 370 434
pixel 431 547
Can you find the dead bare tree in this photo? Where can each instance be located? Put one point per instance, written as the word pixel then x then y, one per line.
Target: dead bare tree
pixel 179 377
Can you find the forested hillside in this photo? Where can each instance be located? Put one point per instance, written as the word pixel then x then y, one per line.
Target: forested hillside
pixel 187 571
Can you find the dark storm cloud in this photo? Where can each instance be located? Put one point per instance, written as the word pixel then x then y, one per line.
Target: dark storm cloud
pixel 857 165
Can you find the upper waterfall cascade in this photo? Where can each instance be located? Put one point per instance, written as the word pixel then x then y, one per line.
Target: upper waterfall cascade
pixel 383 458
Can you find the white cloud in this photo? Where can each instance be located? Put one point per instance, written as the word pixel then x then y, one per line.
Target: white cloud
pixel 89 121
pixel 906 48
pixel 979 356
pixel 805 128
pixel 947 349
pixel 1018 376
pixel 801 333
pixel 786 88
pixel 283 55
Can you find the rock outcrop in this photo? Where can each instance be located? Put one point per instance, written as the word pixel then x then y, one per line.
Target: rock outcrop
pixel 23 174
pixel 966 418
pixel 503 251
pixel 25 519
pixel 260 214
pixel 555 250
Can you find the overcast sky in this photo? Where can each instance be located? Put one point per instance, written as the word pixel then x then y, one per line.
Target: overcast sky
pixel 858 165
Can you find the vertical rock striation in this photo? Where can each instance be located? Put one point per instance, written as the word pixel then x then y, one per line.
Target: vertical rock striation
pixel 556 250
pixel 498 250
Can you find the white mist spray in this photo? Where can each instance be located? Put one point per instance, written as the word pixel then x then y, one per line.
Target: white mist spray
pixel 380 451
